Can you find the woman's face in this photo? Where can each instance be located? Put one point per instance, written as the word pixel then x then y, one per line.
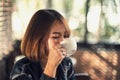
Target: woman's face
pixel 57 34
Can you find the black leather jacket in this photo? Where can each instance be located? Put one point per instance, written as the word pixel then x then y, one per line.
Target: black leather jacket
pixel 25 69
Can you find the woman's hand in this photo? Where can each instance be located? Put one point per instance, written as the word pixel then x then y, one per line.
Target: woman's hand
pixel 56 55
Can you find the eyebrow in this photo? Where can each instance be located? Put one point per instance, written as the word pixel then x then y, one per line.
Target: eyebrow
pixel 56 33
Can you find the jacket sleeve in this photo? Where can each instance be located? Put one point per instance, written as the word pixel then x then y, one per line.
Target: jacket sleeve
pixel 45 77
pixel 19 74
pixel 20 71
pixel 25 77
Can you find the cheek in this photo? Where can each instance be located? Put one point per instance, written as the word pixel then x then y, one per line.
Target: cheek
pixel 51 43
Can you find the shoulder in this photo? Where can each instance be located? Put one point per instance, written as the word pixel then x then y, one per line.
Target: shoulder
pixel 21 63
pixel 27 68
pixel 19 67
pixel 22 60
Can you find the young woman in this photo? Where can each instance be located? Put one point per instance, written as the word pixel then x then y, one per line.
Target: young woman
pixel 45 58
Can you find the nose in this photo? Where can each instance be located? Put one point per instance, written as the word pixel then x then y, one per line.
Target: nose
pixel 61 39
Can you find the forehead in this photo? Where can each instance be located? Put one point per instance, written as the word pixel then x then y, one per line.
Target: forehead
pixel 58 27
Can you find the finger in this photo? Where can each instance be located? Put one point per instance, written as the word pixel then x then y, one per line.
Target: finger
pixel 63 52
pixel 59 46
pixel 60 50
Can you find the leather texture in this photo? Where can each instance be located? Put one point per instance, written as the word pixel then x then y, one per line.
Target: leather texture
pixel 24 69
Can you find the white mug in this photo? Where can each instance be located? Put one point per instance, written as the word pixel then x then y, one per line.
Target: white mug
pixel 70 45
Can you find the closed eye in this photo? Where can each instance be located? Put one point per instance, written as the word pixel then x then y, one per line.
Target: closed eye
pixel 56 37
